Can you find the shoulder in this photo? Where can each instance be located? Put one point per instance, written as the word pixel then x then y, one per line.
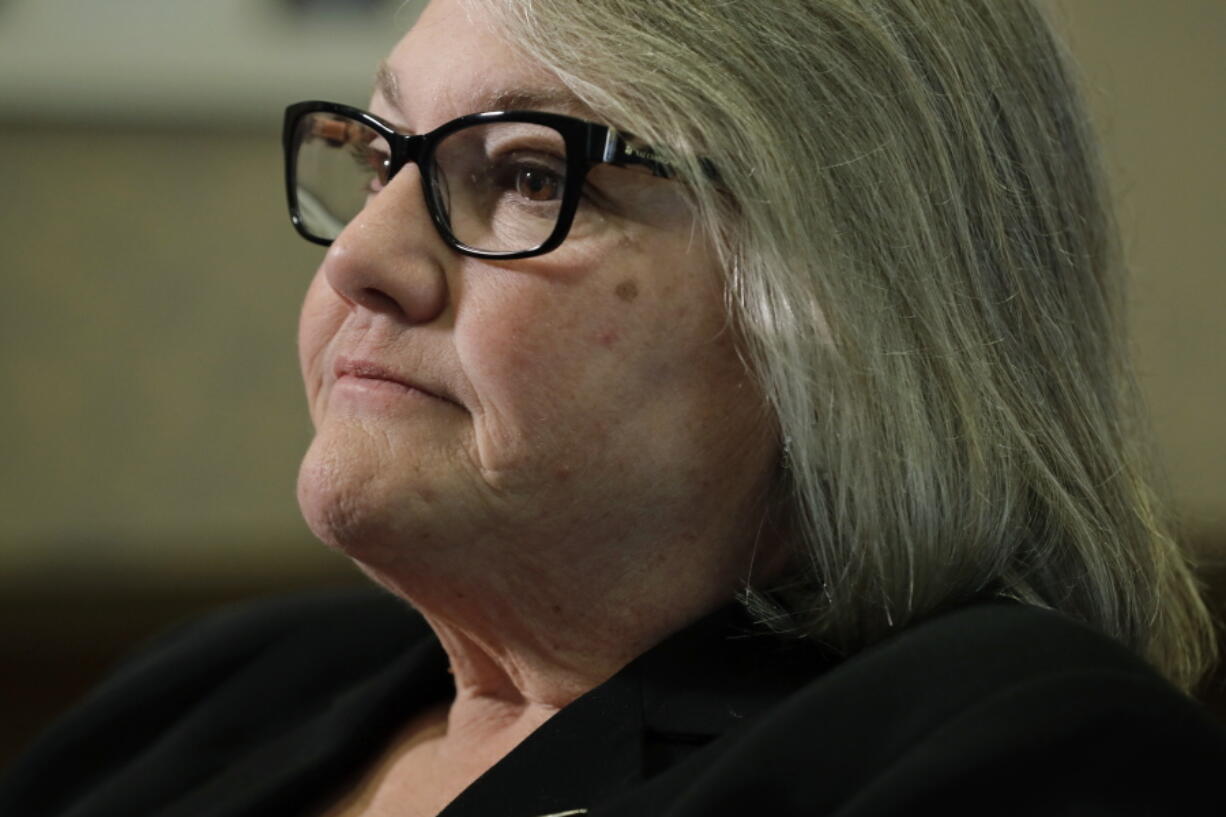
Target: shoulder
pixel 356 621
pixel 966 654
pixel 997 707
pixel 275 636
pixel 221 686
pixel 328 635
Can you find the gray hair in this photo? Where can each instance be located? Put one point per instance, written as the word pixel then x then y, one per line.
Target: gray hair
pixel 925 272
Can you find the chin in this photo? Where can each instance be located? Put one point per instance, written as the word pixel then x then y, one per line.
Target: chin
pixel 341 501
pixel 355 502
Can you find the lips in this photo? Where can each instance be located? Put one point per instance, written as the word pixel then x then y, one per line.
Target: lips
pixel 372 370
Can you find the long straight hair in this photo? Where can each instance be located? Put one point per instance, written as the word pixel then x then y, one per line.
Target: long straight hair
pixel 924 267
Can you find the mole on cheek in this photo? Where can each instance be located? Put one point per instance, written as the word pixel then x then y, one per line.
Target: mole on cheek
pixel 627 291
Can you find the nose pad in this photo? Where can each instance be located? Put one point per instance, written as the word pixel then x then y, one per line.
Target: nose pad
pixel 441 194
pixel 390 259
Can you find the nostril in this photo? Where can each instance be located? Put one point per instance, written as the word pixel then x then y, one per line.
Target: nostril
pixel 379 301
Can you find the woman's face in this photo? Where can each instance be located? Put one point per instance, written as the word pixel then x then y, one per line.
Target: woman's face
pixel 585 398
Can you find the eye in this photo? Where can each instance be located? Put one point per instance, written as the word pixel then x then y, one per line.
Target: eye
pixel 372 162
pixel 527 176
pixel 537 183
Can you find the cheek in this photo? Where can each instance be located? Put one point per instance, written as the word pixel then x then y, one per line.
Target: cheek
pixel 548 371
pixel 321 317
pixel 574 379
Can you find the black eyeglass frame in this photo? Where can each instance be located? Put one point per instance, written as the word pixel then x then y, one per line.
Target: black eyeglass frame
pixel 587 145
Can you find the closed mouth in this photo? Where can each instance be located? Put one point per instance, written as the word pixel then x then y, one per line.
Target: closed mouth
pixel 370 370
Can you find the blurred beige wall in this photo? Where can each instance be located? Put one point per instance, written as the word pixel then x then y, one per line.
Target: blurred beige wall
pixel 1156 81
pixel 152 415
pixel 152 419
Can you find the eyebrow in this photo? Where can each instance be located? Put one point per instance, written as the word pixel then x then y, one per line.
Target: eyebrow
pixel 507 99
pixel 387 84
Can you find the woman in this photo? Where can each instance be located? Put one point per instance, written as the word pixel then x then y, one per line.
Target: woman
pixel 834 333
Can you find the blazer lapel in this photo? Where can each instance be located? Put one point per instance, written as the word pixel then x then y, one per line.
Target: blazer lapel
pixel 584 754
pixel 714 678
pixel 709 679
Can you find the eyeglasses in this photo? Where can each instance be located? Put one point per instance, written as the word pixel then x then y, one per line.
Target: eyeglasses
pixel 504 184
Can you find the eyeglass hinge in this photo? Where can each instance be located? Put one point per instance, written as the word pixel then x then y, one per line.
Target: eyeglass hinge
pixel 610 146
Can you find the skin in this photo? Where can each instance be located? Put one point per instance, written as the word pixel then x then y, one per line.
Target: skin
pixel 587 472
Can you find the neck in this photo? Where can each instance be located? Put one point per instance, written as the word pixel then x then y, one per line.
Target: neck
pixel 523 643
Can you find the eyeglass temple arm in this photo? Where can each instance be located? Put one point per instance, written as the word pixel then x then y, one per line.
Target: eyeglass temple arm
pixel 613 148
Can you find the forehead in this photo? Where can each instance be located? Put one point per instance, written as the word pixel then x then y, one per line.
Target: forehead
pixel 453 62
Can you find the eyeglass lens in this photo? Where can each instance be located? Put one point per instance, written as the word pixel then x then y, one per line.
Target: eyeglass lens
pixel 497 186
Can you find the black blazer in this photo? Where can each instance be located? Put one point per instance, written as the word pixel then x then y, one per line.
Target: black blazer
pixel 992 709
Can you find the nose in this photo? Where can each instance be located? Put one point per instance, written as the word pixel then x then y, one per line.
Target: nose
pixel 390 259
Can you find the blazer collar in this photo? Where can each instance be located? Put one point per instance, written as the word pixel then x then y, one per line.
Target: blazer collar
pixel 718 673
pixel 706 680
